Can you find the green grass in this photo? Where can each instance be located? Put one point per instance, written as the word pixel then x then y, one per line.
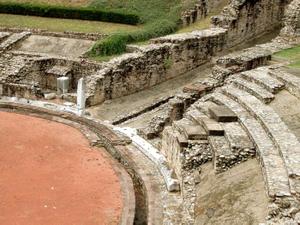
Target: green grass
pixel 52 2
pixel 199 25
pixel 160 17
pixel 61 25
pixel 292 55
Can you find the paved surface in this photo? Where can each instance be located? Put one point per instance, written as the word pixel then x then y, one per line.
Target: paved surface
pixel 50 175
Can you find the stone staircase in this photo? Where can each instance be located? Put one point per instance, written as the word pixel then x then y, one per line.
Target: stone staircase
pixel 236 122
pixel 206 123
pixel 12 40
pixel 277 147
pixel 3 36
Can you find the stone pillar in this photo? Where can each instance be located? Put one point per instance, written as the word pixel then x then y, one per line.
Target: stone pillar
pixel 63 85
pixel 81 96
pixel 1 89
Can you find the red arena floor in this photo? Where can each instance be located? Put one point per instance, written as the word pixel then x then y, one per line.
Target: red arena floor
pixel 50 175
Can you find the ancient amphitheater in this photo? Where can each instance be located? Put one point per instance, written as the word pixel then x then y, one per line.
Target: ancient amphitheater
pixel 201 127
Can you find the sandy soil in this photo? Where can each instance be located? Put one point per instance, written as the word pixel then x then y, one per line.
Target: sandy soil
pixel 50 175
pixel 236 197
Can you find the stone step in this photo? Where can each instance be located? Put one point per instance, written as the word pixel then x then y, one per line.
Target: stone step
pixel 223 156
pixel 222 114
pixel 203 106
pixel 190 130
pixel 292 82
pixel 239 140
pixel 286 142
pixel 262 78
pixel 13 39
pixel 273 167
pixel 274 46
pixel 212 127
pixel 254 89
pixel 4 35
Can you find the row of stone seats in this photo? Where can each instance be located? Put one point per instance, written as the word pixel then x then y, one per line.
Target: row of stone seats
pixel 11 40
pixel 3 35
pixel 277 147
pixel 229 142
pixel 292 83
pixel 216 125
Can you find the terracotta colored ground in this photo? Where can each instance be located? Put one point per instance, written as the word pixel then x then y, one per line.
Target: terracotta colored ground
pixel 49 175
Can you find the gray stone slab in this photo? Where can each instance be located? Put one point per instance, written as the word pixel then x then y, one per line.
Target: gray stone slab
pixel 237 137
pixel 195 132
pixel 211 126
pixel 222 114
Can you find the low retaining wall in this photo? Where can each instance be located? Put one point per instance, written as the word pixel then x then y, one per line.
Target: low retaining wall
pixel 166 58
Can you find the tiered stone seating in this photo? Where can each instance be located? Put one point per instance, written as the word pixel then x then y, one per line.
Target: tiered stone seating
pixel 12 40
pixel 3 35
pixel 275 175
pixel 254 89
pixel 291 82
pixel 285 141
pixel 262 78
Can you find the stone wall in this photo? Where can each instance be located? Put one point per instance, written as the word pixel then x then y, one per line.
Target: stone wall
pixel 32 76
pixel 199 11
pixel 246 19
pixel 166 58
pixel 66 34
pixel 173 55
pixel 292 19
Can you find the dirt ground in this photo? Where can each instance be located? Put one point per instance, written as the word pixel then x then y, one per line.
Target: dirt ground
pixel 68 47
pixel 236 197
pixel 287 107
pixel 49 175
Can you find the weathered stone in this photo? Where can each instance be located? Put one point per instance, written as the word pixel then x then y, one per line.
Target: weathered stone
pixel 49 96
pixel 196 88
pixel 222 114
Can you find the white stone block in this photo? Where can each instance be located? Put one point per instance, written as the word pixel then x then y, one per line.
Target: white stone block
pixel 63 85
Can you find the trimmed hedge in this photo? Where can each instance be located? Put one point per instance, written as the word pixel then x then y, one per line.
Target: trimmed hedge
pixel 68 13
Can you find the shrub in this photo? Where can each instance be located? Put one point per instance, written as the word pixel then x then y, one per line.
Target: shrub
pixel 69 13
pixel 116 44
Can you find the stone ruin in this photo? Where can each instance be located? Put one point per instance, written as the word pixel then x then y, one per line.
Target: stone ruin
pixel 224 120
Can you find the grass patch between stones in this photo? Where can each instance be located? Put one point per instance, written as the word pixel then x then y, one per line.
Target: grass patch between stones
pixel 292 55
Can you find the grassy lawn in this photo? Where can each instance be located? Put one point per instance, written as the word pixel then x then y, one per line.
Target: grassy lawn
pixel 292 55
pixel 148 10
pixel 54 2
pixel 60 25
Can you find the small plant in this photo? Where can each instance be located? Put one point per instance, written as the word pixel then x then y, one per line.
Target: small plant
pixel 168 62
